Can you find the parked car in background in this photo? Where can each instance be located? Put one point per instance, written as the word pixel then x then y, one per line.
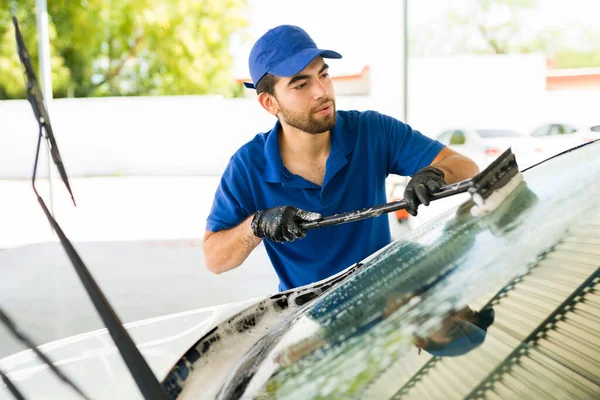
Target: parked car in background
pixel 555 137
pixel 483 145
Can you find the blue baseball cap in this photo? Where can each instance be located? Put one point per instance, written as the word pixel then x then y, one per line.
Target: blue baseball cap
pixel 283 51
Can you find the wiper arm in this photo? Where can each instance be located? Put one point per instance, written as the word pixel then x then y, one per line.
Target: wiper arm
pixel 145 379
pixel 34 95
pixel 11 387
pixel 138 367
pixel 12 327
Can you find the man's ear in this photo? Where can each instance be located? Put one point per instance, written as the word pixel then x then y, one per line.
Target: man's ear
pixel 269 103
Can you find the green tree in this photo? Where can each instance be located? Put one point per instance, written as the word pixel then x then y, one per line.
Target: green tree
pixel 127 47
pixel 493 26
pixel 11 73
pixel 579 48
pixel 473 26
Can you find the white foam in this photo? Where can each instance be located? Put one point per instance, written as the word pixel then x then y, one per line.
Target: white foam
pixel 486 206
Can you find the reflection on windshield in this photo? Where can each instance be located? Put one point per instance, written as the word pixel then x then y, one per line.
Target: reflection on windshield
pixel 424 298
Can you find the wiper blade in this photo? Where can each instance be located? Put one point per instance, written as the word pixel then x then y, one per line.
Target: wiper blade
pixel 34 95
pixel 12 327
pixel 145 379
pixel 11 387
pixel 138 367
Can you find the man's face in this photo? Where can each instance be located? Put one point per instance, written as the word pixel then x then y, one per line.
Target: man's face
pixel 306 100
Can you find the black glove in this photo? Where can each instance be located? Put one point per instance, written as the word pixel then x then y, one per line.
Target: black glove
pixel 418 191
pixel 282 224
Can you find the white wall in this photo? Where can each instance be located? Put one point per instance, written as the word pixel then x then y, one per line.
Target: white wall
pixel 144 135
pixel 196 135
pixel 190 135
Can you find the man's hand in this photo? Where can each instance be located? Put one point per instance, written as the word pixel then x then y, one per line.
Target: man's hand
pixel 282 224
pixel 424 183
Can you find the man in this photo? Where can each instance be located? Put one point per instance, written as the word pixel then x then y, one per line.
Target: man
pixel 315 161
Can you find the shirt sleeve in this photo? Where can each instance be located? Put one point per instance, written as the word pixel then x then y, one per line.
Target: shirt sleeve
pixel 408 149
pixel 231 204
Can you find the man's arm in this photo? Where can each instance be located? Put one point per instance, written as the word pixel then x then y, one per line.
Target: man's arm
pixel 228 249
pixel 455 166
pixel 446 168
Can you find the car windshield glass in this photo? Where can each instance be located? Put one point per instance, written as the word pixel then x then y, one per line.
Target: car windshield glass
pixel 465 305
pixel 497 133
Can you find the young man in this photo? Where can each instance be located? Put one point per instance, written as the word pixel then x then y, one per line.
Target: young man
pixel 315 161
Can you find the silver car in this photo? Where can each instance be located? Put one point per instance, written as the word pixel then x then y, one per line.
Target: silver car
pixel 483 145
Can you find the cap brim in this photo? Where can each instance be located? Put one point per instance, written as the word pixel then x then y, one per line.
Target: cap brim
pixel 293 65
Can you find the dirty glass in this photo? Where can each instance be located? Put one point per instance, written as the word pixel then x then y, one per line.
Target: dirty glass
pixel 463 307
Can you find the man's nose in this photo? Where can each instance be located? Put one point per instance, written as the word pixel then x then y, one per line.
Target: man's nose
pixel 320 91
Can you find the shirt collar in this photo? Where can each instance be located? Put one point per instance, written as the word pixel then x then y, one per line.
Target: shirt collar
pixel 341 142
pixel 273 165
pixel 342 139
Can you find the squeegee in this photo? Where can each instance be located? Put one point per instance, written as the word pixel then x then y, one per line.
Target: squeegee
pixel 487 189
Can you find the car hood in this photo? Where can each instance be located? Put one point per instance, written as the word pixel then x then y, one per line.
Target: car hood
pixel 358 339
pixel 93 362
pixel 236 350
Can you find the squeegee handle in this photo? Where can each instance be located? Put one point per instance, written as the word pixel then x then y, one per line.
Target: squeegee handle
pixel 376 211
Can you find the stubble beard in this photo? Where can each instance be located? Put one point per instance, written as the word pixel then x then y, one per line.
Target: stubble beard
pixel 310 124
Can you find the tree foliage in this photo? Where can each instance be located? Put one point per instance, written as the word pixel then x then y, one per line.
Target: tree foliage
pixel 127 47
pixel 499 27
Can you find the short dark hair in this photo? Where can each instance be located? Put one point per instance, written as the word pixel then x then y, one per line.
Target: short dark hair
pixel 267 84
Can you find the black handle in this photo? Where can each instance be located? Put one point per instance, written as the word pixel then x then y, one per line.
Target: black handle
pixel 376 211
pixel 494 176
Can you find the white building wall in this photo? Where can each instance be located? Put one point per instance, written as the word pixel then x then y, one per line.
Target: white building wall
pixel 196 135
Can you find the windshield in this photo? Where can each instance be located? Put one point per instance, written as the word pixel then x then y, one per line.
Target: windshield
pixel 451 307
pixel 497 133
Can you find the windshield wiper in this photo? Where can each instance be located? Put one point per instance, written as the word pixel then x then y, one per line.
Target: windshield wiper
pixel 34 95
pixel 145 379
pixel 12 327
pixel 11 387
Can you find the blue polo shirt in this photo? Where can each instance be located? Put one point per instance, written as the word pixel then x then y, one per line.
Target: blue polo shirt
pixel 365 148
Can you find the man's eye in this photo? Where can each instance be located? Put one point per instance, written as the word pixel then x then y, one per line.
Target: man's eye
pixel 325 74
pixel 300 86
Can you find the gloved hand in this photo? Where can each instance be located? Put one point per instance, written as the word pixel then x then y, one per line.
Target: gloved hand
pixel 418 191
pixel 282 223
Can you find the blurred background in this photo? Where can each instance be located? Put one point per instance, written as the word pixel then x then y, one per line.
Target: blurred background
pixel 147 104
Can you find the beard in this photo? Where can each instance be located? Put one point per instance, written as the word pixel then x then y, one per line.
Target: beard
pixel 310 123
